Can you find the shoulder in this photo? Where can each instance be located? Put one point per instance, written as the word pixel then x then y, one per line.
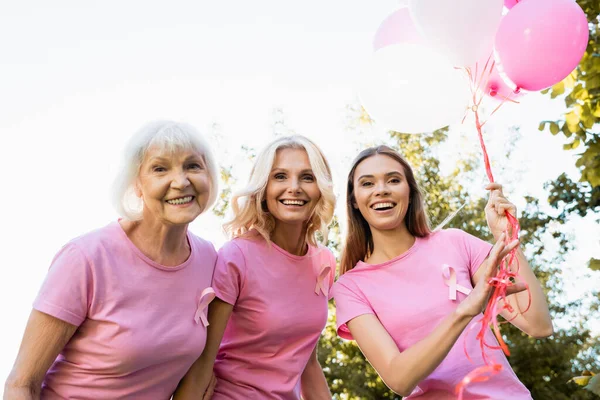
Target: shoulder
pixel 324 252
pixel 203 244
pixel 98 240
pixel 242 246
pixel 345 284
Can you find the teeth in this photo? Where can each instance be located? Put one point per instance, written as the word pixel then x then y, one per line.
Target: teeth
pixel 293 202
pixel 181 200
pixel 382 205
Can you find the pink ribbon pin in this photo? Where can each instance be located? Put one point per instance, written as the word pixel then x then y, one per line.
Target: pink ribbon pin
pixel 322 284
pixel 450 279
pixel 206 297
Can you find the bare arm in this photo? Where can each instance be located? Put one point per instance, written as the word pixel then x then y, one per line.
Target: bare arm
pixel 313 382
pixel 536 321
pixel 402 371
pixel 44 338
pixel 196 381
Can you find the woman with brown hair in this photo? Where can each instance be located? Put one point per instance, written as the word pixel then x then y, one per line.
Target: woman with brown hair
pixel 397 294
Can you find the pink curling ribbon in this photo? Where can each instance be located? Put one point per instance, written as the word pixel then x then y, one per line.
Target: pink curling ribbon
pixel 509 267
pixel 322 281
pixel 204 300
pixel 450 279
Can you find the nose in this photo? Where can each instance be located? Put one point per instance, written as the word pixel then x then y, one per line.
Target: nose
pixel 180 180
pixel 294 185
pixel 382 189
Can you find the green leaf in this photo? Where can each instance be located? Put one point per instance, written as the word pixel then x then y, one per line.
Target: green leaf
pixel 597 110
pixel 554 128
pixel 572 121
pixel 557 90
pixel 594 264
pixel 573 145
pixel 542 125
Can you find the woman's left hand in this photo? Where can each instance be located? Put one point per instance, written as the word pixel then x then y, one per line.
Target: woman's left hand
pixel 495 210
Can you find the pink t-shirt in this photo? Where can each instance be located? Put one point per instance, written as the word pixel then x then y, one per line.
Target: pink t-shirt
pixel 137 333
pixel 410 296
pixel 280 310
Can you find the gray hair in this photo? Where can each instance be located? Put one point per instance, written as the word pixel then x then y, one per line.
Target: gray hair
pixel 169 136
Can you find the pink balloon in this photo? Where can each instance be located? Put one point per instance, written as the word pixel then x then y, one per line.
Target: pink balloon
pixel 510 3
pixel 398 27
pixel 492 83
pixel 540 42
pixel 498 89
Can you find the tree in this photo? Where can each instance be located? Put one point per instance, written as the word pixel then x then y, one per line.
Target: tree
pixel 581 90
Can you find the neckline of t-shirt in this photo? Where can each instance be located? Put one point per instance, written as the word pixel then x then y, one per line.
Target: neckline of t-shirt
pixel 416 244
pixel 147 259
pixel 294 256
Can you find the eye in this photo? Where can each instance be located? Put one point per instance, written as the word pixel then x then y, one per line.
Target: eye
pixel 279 176
pixel 366 183
pixel 158 168
pixel 195 166
pixel 395 180
pixel 308 178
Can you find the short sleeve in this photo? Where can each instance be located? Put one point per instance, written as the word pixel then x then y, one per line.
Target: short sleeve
pixel 477 251
pixel 67 290
pixel 333 270
pixel 330 260
pixel 230 272
pixel 349 304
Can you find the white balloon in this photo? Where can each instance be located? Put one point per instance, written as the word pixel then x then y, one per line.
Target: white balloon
pixel 412 89
pixel 462 30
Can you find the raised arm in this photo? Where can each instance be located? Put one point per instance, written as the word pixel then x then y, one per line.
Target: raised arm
pixel 402 371
pixel 313 382
pixel 536 321
pixel 44 338
pixel 197 380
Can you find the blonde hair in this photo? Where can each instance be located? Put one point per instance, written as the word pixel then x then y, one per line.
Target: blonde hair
pixel 358 243
pixel 166 135
pixel 247 204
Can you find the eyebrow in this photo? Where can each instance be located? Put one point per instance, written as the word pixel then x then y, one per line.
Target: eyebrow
pixel 304 171
pixel 160 159
pixel 387 175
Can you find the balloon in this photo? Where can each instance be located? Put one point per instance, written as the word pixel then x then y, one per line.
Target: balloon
pixel 412 89
pixel 539 42
pixel 462 30
pixel 398 27
pixel 510 3
pixel 493 83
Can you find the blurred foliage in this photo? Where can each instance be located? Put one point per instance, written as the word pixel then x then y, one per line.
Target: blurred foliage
pixel 581 93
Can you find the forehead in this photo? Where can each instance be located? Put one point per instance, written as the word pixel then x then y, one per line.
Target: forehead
pixel 291 158
pixel 379 164
pixel 171 153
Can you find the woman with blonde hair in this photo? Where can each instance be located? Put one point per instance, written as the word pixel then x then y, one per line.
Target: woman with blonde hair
pixel 272 282
pixel 121 312
pixel 409 296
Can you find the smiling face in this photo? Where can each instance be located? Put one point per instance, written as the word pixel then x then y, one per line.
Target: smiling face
pixel 292 191
pixel 175 187
pixel 381 192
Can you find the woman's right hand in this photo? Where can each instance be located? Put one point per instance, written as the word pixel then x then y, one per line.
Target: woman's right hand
pixel 476 301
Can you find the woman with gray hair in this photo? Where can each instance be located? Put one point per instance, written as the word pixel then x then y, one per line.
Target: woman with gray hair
pixel 122 312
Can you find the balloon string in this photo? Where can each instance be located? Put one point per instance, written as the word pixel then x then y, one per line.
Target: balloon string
pixel 506 275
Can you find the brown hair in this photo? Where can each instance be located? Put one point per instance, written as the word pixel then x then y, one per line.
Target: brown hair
pixel 359 240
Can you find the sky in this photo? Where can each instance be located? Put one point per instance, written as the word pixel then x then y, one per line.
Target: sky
pixel 78 78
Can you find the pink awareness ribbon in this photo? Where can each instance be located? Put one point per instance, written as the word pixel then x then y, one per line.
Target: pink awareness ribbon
pixel 450 280
pixel 322 281
pixel 206 297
